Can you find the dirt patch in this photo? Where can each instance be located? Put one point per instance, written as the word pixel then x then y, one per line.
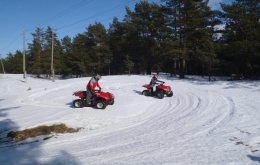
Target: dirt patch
pixel 41 130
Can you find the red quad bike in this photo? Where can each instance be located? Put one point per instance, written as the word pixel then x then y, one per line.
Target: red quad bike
pixel 160 91
pixel 99 99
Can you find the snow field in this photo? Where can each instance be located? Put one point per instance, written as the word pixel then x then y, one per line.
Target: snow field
pixel 202 123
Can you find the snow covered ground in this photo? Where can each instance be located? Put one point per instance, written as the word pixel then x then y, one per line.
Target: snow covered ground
pixel 203 123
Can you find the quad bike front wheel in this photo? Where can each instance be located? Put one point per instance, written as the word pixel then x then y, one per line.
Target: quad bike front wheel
pixel 169 94
pixel 100 104
pixel 111 102
pixel 160 95
pixel 77 103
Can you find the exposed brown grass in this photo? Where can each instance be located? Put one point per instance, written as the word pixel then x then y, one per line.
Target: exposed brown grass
pixel 41 130
pixel 237 143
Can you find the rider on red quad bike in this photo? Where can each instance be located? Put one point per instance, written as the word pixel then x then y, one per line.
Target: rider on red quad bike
pixel 160 89
pixel 99 99
pixel 92 84
pixel 92 97
pixel 154 81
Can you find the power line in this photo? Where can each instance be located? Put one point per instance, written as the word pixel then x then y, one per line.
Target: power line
pixel 70 10
pixel 115 8
pixel 55 17
pixel 79 5
pixel 11 42
pixel 109 10
pixel 85 26
pixel 64 12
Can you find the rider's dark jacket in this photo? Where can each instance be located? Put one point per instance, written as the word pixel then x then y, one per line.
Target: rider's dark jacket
pixel 154 81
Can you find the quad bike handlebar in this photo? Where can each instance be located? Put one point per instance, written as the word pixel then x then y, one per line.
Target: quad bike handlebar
pixel 160 82
pixel 97 90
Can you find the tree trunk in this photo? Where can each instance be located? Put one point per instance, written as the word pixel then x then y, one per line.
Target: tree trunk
pixel 183 68
pixel 174 68
pixel 149 68
pixel 209 70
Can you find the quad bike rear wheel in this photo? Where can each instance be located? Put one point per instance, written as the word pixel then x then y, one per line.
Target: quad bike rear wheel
pixel 77 103
pixel 146 93
pixel 100 104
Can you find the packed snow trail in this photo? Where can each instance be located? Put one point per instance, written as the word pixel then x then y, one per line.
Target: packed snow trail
pixel 203 123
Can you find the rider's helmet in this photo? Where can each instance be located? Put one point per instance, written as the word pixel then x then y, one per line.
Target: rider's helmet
pixel 97 77
pixel 155 76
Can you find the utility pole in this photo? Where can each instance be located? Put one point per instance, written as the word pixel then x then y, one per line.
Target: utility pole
pixel 2 64
pixel 52 70
pixel 24 72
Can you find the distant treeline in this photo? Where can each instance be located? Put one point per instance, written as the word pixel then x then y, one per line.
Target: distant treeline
pixel 180 37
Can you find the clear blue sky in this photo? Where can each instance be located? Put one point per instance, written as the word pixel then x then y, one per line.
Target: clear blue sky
pixel 67 17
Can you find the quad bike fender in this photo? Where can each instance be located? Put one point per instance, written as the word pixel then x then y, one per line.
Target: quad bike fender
pixel 147 86
pixel 111 102
pixel 98 99
pixel 168 92
pixel 80 94
pixel 104 95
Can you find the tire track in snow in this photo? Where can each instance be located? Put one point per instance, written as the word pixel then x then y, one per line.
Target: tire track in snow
pixel 182 118
pixel 177 120
pixel 211 105
pixel 5 88
pixel 41 99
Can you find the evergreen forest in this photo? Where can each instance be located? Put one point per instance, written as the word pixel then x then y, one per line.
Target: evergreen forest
pixel 179 37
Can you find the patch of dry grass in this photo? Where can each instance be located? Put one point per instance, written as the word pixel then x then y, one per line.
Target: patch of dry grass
pixel 41 130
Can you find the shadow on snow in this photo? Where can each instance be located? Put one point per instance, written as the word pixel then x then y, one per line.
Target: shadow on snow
pixel 254 158
pixel 15 153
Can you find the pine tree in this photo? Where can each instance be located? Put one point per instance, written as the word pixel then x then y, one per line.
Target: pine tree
pixel 146 22
pixel 80 59
pixel 66 55
pixel 117 44
pixel 13 63
pixel 100 51
pixel 189 21
pixel 129 64
pixel 35 49
pixel 242 36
